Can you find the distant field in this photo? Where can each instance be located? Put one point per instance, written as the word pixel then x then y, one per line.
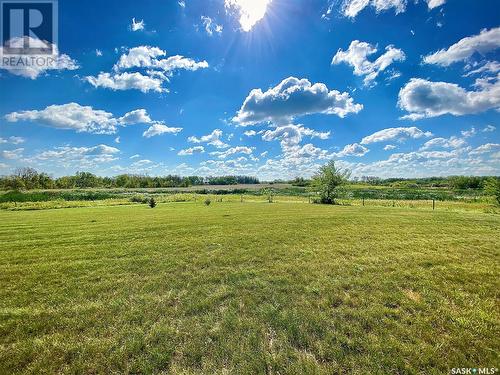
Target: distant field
pixel 252 288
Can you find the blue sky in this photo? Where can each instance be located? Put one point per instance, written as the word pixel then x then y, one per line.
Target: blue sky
pixel 270 88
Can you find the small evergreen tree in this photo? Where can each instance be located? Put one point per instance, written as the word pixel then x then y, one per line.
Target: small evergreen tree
pixel 152 202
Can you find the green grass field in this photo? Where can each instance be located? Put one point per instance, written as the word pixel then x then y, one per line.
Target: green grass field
pixel 250 288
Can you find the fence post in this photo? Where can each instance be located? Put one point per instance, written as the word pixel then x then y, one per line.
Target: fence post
pixel 433 204
pixel 309 200
pixel 363 201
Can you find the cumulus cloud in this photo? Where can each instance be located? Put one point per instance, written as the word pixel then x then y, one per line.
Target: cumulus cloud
pixel 159 129
pixel 211 26
pixel 137 26
pixel 469 133
pixel 12 140
pixel 357 57
pixel 351 8
pixel 232 151
pixel 435 3
pixel 213 139
pixel 12 154
pixel 291 98
pixel 291 135
pixel 74 157
pixel 489 67
pixel 452 142
pixel 486 41
pixel 127 81
pixel 154 70
pixel 422 98
pixel 486 148
pixel 191 151
pixel 29 69
pixel 389 147
pixel 82 119
pixel 354 149
pixel 430 163
pixel 249 11
pixel 148 57
pixel 395 134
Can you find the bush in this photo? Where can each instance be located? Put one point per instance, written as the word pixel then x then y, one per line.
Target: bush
pixel 152 202
pixel 139 199
pixel 207 202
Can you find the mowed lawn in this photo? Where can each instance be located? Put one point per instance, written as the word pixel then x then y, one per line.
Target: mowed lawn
pixel 248 288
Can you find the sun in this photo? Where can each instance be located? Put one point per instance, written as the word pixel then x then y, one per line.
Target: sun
pixel 251 11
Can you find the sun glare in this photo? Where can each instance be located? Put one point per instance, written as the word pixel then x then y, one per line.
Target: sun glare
pixel 250 11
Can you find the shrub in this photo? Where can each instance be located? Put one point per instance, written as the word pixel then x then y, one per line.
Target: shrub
pixel 152 202
pixel 492 187
pixel 139 199
pixel 207 202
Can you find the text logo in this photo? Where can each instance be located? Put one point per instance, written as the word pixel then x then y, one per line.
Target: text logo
pixel 28 27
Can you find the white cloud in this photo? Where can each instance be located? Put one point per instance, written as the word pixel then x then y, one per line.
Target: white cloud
pixel 423 98
pixel 389 147
pixel 182 3
pixel 396 134
pixel 213 139
pixel 354 149
pixel 429 163
pixel 232 151
pixel 79 157
pixel 135 156
pixel 98 52
pixel 12 154
pixel 486 148
pixel 117 140
pixel 351 8
pixel 139 116
pixel 137 26
pixel 79 118
pixel 142 56
pixel 489 67
pixel 291 98
pixel 250 11
pixel 486 41
pixel 146 58
pixel 12 140
pixel 211 26
pixel 469 133
pixel 27 69
pixel 127 81
pixel 452 142
pixel 291 135
pixel 357 57
pixel 435 3
pixel 250 133
pixel 489 128
pixel 159 129
pixel 191 151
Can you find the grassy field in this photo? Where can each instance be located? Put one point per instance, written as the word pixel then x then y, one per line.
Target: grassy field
pixel 248 288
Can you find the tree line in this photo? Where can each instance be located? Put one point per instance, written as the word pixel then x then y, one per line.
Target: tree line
pixel 451 182
pixel 29 179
